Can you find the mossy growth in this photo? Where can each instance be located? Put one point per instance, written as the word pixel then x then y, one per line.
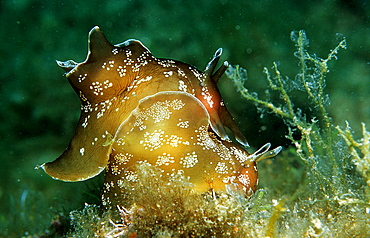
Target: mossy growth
pixel 332 199
pixel 159 206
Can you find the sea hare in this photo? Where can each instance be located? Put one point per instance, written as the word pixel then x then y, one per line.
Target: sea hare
pixel 138 108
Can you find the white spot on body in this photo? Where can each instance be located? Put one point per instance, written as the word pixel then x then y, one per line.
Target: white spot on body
pixel 122 159
pixel 168 74
pixel 159 112
pixel 199 75
pixel 165 159
pixel 183 124
pixel 130 176
pixel 103 106
pixel 120 141
pixel 153 141
pixel 182 86
pixel 82 96
pixel 115 51
pixel 190 160
pixel 98 87
pixel 221 168
pixel 84 124
pixel 181 73
pixel 175 140
pixel 108 65
pixel 81 77
pixel 121 71
pixel 229 179
pixel 166 63
pixel 244 179
pixel 204 139
pixel 207 96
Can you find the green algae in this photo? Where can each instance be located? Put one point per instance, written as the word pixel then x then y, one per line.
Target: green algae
pixel 318 146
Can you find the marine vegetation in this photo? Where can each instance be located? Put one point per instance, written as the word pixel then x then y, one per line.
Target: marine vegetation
pixel 319 145
pixel 331 199
pixel 330 185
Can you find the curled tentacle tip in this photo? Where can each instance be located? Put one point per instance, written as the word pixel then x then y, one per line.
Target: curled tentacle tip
pixel 218 53
pixel 67 65
pixel 269 153
pixel 39 166
pixel 263 153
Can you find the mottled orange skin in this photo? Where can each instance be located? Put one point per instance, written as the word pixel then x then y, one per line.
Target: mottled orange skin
pixel 117 81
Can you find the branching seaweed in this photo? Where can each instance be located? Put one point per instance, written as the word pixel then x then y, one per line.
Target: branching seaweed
pixel 360 151
pixel 318 145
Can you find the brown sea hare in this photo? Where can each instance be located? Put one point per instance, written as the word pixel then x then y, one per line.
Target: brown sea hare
pixel 136 108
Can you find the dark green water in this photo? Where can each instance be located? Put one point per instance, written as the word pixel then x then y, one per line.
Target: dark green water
pixel 39 110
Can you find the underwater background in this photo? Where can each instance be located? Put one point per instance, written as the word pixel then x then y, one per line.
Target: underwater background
pixel 39 109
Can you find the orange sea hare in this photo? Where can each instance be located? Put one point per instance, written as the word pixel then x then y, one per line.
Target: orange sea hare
pixel 138 108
